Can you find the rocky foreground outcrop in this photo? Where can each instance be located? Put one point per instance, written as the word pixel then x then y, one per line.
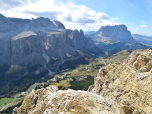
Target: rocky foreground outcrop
pixel 127 87
pixel 53 101
pixel 118 89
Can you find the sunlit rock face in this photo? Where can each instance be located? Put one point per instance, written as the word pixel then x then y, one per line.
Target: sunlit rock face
pixel 127 87
pixel 53 101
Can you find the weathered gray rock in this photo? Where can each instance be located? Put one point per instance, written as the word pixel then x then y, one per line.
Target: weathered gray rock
pixel 50 100
pixel 5 51
pixel 26 49
pixel 45 22
pixel 40 42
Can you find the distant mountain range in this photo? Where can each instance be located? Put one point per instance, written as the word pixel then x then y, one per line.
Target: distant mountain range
pixel 143 39
pixel 115 38
pixel 110 34
pixel 38 41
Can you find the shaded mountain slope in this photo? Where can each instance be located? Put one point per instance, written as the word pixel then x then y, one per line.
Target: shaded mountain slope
pixel 143 39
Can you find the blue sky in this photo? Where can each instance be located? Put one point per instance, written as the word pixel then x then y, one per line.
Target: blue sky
pixel 86 14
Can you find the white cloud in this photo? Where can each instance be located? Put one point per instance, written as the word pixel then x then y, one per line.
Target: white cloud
pixel 137 28
pixel 102 16
pixel 71 15
pixel 144 26
pixel 109 23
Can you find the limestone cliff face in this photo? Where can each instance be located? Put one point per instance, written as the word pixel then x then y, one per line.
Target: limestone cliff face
pixel 113 34
pixel 5 52
pixel 39 48
pixel 45 22
pixel 127 87
pixel 53 101
pixel 26 49
pixel 40 42
pixel 13 26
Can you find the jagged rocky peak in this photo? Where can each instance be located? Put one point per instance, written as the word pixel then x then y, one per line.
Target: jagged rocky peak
pixel 113 33
pixel 76 31
pixel 127 87
pixel 13 21
pixel 105 30
pixel 17 25
pixel 19 20
pixel 3 19
pixel 58 24
pixel 81 32
pixel 45 22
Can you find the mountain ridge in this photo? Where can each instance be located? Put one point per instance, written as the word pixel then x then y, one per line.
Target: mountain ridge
pixel 113 39
pixel 40 47
pixel 113 34
pixel 143 39
pixel 44 32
